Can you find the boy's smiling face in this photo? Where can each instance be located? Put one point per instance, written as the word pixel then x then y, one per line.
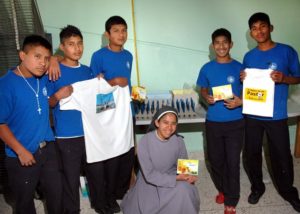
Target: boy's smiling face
pixel 117 35
pixel 72 48
pixel 222 46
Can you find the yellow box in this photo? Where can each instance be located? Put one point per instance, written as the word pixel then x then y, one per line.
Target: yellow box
pixel 138 93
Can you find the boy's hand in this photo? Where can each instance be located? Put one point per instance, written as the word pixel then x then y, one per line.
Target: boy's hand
pixel 100 75
pixel 242 75
pixel 210 99
pixel 26 158
pixel 60 94
pixel 277 76
pixel 233 103
pixel 53 70
pixel 64 92
pixel 206 96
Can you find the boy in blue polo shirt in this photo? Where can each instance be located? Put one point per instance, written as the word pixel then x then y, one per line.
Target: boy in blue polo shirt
pixel 224 120
pixel 114 63
pixel 284 62
pixel 68 124
pixel 25 129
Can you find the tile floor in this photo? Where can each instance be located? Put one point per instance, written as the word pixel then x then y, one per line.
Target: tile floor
pixel 270 203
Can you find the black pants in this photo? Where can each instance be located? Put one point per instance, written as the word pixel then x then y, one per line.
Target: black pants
pixel 224 145
pixel 109 177
pixel 127 162
pixel 73 160
pixel 23 181
pixel 280 155
pixel 126 165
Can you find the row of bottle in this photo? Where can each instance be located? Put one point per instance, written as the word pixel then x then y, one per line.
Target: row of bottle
pixel 185 107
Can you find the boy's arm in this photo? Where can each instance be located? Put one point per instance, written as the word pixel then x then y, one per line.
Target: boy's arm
pixel 60 94
pixel 205 95
pixel 242 75
pixel 280 77
pixel 120 81
pixel 54 70
pixel 25 157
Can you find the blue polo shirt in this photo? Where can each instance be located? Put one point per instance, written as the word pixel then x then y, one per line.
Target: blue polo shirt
pixel 68 124
pixel 282 58
pixel 112 64
pixel 214 74
pixel 19 110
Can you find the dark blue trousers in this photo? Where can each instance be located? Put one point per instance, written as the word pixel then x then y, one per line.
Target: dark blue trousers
pixel 73 160
pixel 23 181
pixel 109 179
pixel 280 155
pixel 224 145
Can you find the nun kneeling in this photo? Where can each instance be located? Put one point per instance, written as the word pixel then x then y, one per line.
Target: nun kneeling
pixel 158 189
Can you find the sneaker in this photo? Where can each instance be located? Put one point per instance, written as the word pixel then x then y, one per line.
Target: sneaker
pixel 220 198
pixel 114 207
pixel 255 196
pixel 295 204
pixel 104 211
pixel 229 210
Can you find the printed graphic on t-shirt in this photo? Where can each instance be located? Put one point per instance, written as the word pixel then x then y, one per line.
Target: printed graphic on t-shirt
pixel 272 65
pixel 105 102
pixel 253 94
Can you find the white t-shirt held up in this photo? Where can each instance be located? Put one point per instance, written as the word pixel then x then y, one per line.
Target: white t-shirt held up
pixel 258 92
pixel 106 116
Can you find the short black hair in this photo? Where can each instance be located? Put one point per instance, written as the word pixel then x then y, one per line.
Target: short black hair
pixel 68 32
pixel 34 40
pixel 114 20
pixel 260 16
pixel 221 32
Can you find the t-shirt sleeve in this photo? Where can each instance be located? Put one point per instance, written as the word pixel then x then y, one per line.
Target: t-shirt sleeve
pixel 96 64
pixel 89 70
pixel 150 174
pixel 294 66
pixel 202 80
pixel 239 82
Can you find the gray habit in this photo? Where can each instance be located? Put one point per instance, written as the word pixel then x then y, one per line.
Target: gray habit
pixel 156 190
